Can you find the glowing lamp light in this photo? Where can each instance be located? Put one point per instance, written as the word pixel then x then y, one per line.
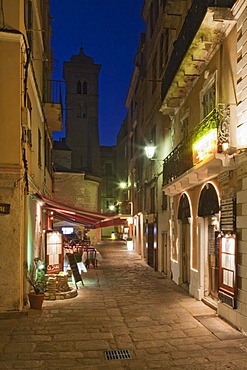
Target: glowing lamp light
pixel 111 208
pixel 150 150
pixel 123 185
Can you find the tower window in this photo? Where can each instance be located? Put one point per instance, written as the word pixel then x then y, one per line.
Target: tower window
pixel 84 88
pixel 78 87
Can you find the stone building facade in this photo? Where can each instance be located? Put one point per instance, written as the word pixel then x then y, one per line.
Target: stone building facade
pixel 188 95
pixel 28 117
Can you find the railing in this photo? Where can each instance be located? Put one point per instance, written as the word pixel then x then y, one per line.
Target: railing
pixel 180 159
pixel 52 91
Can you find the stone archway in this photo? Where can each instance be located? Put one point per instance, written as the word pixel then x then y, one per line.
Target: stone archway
pixel 208 212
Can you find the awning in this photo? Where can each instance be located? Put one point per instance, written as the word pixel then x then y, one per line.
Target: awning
pixel 90 219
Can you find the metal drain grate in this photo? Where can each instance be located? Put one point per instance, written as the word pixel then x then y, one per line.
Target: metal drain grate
pixel 122 354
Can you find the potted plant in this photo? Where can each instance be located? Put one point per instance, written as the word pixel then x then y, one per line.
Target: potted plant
pixel 37 280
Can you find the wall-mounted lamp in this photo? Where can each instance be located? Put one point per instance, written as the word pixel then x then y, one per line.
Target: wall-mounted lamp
pixel 150 151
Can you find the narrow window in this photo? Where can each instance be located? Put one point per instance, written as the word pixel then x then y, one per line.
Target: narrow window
pixel 39 148
pixel 154 73
pixel 209 100
pixel 84 88
pixel 78 87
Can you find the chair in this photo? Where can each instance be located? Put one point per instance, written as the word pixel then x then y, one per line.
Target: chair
pixel 91 257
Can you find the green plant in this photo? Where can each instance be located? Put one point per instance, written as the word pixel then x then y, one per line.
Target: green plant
pixel 36 276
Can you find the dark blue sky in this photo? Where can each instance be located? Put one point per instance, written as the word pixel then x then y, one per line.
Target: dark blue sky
pixel 108 31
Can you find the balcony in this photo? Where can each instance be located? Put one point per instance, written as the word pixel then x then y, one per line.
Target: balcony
pixel 205 25
pixel 52 104
pixel 185 158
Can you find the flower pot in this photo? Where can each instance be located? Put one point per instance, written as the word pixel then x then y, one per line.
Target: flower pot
pixel 36 300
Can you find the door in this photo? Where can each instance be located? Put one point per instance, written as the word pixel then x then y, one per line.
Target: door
pixel 185 245
pixel 151 245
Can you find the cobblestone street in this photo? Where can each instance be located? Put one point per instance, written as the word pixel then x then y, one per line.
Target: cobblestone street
pixel 123 305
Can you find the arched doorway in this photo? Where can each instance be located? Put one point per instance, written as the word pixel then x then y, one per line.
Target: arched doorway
pixel 208 213
pixel 184 215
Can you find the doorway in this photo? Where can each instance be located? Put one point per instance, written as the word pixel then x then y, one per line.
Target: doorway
pixel 208 211
pixel 184 236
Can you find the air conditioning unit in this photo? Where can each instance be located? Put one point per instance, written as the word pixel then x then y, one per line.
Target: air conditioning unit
pixel 25 117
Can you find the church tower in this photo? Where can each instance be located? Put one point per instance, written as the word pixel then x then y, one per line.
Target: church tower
pixel 82 132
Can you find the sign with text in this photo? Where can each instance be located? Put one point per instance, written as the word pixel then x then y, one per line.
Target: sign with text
pixel 54 248
pixel 228 214
pixel 205 146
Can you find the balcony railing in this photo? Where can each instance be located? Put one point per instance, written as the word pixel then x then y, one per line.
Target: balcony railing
pixel 180 159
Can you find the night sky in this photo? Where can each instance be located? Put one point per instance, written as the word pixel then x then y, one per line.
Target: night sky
pixel 108 31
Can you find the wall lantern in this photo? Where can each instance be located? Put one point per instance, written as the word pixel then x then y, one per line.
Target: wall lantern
pixel 150 151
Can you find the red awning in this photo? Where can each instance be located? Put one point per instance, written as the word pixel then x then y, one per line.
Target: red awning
pixel 90 219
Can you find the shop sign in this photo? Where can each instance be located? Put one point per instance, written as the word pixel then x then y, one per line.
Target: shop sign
pixel 205 146
pixel 4 208
pixel 228 214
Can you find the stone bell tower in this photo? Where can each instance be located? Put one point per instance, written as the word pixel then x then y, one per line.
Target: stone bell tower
pixel 82 133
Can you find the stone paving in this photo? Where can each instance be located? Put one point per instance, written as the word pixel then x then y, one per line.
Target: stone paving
pixel 123 305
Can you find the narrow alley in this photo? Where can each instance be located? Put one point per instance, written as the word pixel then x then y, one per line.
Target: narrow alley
pixel 126 316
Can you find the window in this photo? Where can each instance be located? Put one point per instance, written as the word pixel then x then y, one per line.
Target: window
pixel 108 169
pixel 153 135
pixel 185 128
pixel 84 110
pixel 39 148
pixel 78 87
pixel 164 49
pixel 28 19
pixel 78 111
pixel 208 100
pixel 152 200
pixel 84 88
pixel 154 73
pixel 48 153
pixel 151 20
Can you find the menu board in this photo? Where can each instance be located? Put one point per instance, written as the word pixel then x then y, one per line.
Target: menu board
pixel 228 264
pixel 74 267
pixel 54 257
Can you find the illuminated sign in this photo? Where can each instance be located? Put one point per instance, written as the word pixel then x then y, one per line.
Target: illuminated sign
pixel 67 230
pixel 205 147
